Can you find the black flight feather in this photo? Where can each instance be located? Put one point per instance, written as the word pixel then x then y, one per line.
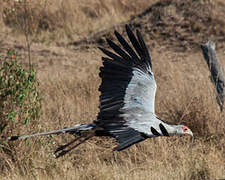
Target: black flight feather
pixel 118 50
pixel 134 41
pixel 163 130
pixel 114 56
pixel 127 47
pixel 130 140
pixel 146 56
pixel 154 132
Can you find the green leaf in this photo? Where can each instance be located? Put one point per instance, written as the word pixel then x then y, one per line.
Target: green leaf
pixel 27 120
pixel 12 116
pixel 19 93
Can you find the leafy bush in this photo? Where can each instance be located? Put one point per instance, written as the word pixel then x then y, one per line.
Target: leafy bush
pixel 20 100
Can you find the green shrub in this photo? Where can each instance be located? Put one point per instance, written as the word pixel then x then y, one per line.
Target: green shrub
pixel 20 100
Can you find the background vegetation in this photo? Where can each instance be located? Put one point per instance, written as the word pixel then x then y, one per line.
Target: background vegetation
pixel 59 39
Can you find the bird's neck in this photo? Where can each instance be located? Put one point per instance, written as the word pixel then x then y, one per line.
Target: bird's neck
pixel 171 129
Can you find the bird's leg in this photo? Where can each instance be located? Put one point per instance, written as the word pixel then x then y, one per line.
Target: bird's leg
pixel 60 148
pixel 63 152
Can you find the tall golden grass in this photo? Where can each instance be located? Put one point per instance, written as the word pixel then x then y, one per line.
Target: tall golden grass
pixel 68 20
pixel 69 82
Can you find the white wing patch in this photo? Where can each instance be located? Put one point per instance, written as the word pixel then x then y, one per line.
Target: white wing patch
pixel 140 92
pixel 139 103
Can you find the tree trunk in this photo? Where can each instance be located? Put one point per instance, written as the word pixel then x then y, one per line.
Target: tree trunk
pixel 216 70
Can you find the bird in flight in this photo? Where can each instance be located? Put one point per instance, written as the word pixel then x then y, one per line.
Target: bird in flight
pixel 127 100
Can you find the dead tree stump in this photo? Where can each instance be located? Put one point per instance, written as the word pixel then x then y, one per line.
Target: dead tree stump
pixel 217 71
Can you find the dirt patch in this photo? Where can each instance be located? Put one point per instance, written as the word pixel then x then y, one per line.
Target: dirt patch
pixel 176 24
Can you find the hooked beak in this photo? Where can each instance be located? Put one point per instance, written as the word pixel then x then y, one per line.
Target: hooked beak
pixel 190 132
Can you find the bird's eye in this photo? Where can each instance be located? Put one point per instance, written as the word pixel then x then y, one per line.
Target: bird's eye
pixel 184 128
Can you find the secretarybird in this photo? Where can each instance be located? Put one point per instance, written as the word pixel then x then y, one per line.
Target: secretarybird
pixel 127 100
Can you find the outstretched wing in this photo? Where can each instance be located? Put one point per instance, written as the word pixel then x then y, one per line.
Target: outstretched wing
pixel 128 88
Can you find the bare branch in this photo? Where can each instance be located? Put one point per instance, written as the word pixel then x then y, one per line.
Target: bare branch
pixel 216 70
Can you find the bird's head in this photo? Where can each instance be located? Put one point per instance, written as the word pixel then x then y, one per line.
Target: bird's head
pixel 182 129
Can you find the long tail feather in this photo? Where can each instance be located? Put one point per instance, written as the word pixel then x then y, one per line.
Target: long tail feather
pixel 76 130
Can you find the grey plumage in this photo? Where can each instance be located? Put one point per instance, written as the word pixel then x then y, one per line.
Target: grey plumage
pixel 127 100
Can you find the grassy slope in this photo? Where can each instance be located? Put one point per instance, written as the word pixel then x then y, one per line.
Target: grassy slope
pixel 69 81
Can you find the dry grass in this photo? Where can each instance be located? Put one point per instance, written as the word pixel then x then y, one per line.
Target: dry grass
pixel 67 20
pixel 69 82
